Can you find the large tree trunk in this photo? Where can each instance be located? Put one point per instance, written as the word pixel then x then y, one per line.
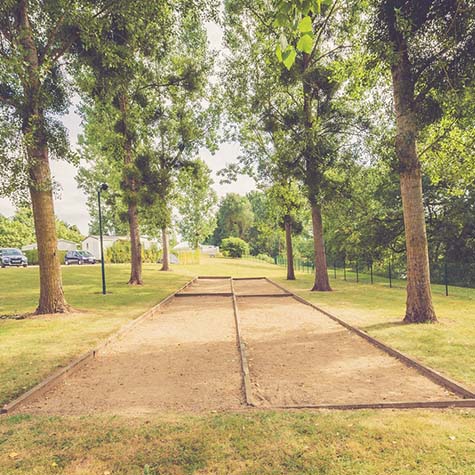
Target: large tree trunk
pixel 419 308
pixel 132 208
pixel 289 248
pixel 51 290
pixel 322 283
pixel 166 251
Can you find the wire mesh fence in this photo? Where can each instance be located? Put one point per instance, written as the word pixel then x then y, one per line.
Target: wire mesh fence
pixel 445 276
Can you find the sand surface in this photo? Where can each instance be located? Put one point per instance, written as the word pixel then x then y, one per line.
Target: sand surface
pixel 209 286
pixel 183 359
pixel 297 355
pixel 256 286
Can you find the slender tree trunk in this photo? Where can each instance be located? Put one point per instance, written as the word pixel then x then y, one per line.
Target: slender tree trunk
pixel 419 307
pixel 51 290
pixel 288 246
pixel 322 283
pixel 313 179
pixel 135 246
pixel 166 251
pixel 132 208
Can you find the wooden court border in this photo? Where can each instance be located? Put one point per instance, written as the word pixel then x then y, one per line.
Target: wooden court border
pixel 245 372
pixel 77 363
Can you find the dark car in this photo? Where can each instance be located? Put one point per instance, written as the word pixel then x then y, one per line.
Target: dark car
pixel 13 257
pixel 79 257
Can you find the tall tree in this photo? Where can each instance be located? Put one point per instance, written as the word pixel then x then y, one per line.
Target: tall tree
pixel 118 63
pixel 288 205
pixel 148 83
pixel 235 218
pixel 35 40
pixel 298 115
pixel 196 201
pixel 428 46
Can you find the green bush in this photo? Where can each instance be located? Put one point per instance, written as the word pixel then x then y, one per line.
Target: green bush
pixel 234 247
pixel 32 256
pixel 119 253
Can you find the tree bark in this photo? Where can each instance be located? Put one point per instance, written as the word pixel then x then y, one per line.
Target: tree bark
pixel 40 186
pixel 322 283
pixel 419 307
pixel 52 298
pixel 135 246
pixel 132 208
pixel 166 251
pixel 289 248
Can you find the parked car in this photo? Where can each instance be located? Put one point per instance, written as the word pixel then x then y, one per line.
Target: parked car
pixel 79 257
pixel 13 257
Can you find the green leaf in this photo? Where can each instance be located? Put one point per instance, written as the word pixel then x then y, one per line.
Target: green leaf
pixel 305 25
pixel 278 52
pixel 305 43
pixel 283 42
pixel 289 57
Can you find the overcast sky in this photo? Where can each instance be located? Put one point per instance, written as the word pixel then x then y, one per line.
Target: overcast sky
pixel 71 204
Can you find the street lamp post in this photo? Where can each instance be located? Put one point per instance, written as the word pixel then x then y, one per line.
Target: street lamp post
pixel 102 187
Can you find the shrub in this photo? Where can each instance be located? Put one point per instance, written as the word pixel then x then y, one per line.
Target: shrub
pixel 32 256
pixel 234 247
pixel 119 253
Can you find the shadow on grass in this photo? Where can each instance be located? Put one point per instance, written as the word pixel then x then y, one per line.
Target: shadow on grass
pixel 384 326
pixel 16 316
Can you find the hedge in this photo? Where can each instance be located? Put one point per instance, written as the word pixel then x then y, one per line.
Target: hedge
pixel 32 256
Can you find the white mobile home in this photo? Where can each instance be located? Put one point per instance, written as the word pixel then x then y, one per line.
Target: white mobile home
pixel 63 245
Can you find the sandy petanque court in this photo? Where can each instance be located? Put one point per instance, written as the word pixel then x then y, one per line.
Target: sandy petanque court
pixel 187 358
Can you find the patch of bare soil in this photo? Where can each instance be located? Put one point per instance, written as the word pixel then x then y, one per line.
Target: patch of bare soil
pixel 209 286
pixel 299 356
pixel 183 359
pixel 257 286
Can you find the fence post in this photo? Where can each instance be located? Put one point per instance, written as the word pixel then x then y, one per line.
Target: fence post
pixel 344 269
pixel 446 278
pixel 371 271
pixel 334 268
pixel 357 274
pixel 390 276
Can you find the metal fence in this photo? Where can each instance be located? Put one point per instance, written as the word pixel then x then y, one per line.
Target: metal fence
pixel 389 272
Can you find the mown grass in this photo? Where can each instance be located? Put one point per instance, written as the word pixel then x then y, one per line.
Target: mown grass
pixel 266 442
pixel 257 443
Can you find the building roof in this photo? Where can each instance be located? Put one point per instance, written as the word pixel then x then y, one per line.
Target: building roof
pixel 106 238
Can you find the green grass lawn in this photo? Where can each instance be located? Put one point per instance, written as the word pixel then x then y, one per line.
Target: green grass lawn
pixel 264 442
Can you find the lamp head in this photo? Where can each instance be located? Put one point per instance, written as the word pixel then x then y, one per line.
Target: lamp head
pixel 103 187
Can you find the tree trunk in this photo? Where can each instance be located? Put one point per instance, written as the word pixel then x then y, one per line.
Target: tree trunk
pixel 419 308
pixel 288 246
pixel 132 208
pixel 322 282
pixel 313 181
pixel 51 290
pixel 135 246
pixel 166 251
